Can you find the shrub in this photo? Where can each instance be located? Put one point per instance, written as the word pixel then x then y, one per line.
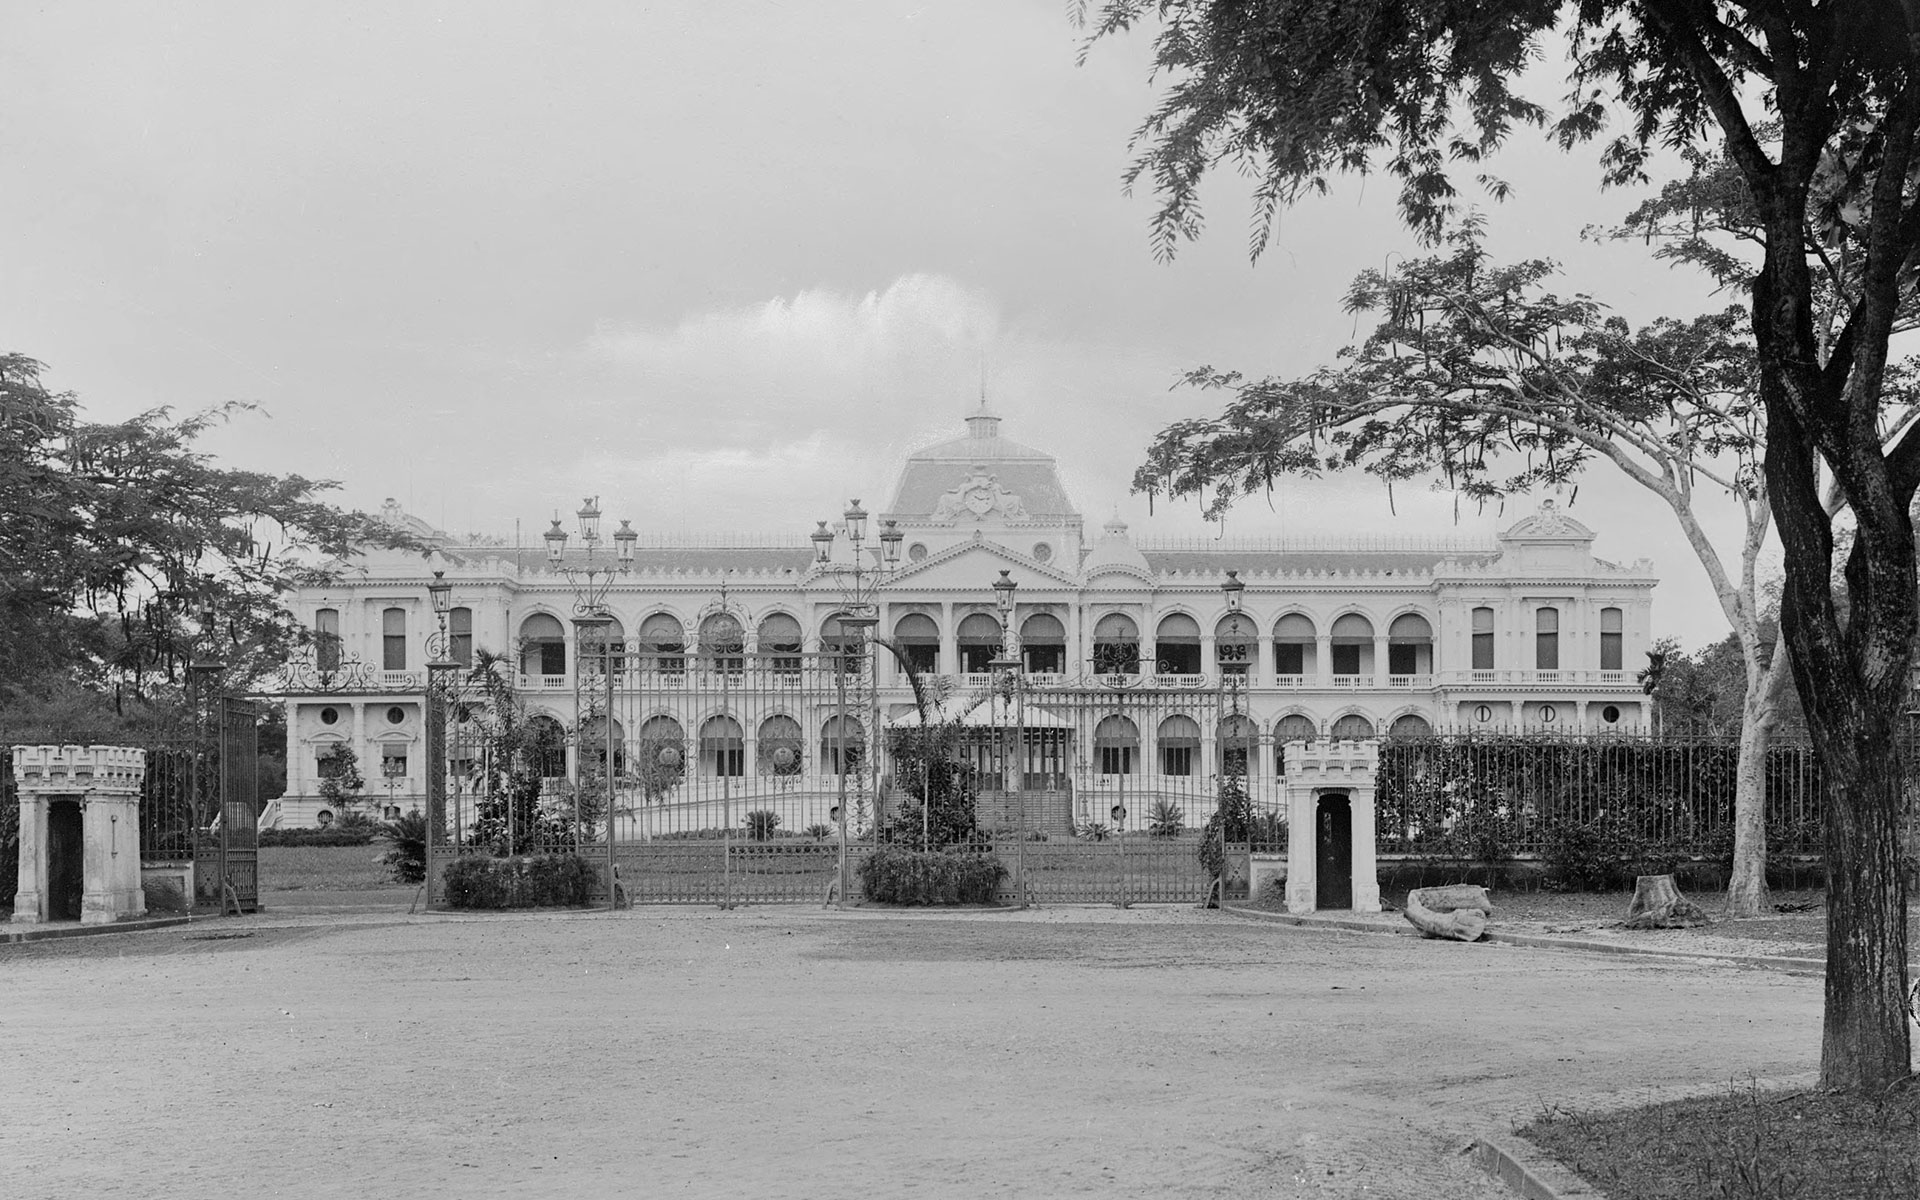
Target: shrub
pixel 894 875
pixel 761 823
pixel 1167 819
pixel 1092 830
pixel 540 881
pixel 407 860
pixel 1604 853
pixel 819 832
pixel 334 836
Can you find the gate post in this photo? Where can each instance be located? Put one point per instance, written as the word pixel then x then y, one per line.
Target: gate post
pixel 105 781
pixel 1325 766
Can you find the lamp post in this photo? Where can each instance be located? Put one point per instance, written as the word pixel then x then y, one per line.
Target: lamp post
pixel 1010 673
pixel 1232 680
pixel 441 667
pixel 590 580
pixel 203 674
pixel 861 614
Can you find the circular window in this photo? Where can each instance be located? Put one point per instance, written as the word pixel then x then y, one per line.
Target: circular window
pixel 1610 714
pixel 396 715
pixel 329 715
pixel 1483 714
pixel 916 552
pixel 1042 552
pixel 1548 714
pixel 324 817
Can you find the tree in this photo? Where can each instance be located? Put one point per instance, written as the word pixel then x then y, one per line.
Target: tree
pixel 1477 373
pixel 126 551
pixel 1817 106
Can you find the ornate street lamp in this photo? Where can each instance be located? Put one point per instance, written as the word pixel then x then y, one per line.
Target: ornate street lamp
pixel 1009 682
pixel 854 624
pixel 441 669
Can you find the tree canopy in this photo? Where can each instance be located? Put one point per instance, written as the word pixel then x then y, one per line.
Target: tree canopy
pixel 122 538
pixel 1815 107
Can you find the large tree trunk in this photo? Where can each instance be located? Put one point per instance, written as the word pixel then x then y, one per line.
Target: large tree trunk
pixel 1865 1042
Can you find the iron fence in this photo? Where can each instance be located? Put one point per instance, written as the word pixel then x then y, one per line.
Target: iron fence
pixel 1490 796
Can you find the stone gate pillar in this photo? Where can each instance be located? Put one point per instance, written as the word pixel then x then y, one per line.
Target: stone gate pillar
pixel 105 782
pixel 1315 769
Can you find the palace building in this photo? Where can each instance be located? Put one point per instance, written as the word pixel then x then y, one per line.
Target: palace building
pixel 1146 665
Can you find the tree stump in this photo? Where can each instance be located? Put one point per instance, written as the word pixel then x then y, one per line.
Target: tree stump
pixel 1458 911
pixel 1658 904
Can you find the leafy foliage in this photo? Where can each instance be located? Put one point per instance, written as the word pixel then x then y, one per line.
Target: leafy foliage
pixel 761 823
pixel 407 859
pixel 1232 817
pixel 329 836
pixel 898 875
pixel 542 881
pixel 1166 819
pixel 121 536
pixel 929 768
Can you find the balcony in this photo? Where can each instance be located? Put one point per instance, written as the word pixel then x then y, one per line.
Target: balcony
pixel 1412 682
pixel 1350 682
pixel 545 683
pixel 1523 678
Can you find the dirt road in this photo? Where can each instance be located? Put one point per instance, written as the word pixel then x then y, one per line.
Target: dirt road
pixel 775 1052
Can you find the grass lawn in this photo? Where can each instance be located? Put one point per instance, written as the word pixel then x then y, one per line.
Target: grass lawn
pixel 325 868
pixel 1746 1143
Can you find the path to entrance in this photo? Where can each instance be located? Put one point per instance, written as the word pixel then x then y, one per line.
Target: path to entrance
pixel 777 1052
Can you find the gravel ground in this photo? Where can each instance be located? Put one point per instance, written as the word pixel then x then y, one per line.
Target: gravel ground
pixel 795 1052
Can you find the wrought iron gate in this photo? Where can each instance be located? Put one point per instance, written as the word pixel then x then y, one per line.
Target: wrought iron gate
pixel 227 854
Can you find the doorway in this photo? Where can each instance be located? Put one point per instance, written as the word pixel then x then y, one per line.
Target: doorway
pixel 1333 851
pixel 66 861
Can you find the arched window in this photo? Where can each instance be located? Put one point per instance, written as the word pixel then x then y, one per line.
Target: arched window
pixel 663 644
pixel 1483 639
pixel 1351 728
pixel 1239 736
pixel 779 746
pixel 1176 645
pixel 780 639
pixel 840 638
pixel 1352 645
pixel 1043 643
pixel 393 639
pixel 1612 629
pixel 919 641
pixel 1234 644
pixel 1178 741
pixel 1293 638
pixel 1410 725
pixel 722 643
pixel 1410 645
pixel 590 742
pixel 660 755
pixel 600 644
pixel 543 646
pixel 1115 741
pixel 979 638
pixel 722 747
pixel 1116 645
pixel 1546 641
pixel 546 747
pixel 326 639
pixel 843 745
pixel 460 636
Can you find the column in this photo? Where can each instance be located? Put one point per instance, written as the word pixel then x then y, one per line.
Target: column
pixel 1209 664
pixel 30 895
pixel 1379 659
pixel 1366 871
pixel 1301 880
pixel 1323 657
pixel 949 640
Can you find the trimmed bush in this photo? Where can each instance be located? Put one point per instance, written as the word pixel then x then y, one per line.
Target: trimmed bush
pixel 540 881
pixel 317 837
pixel 894 875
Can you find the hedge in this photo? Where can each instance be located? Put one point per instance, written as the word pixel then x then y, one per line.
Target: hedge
pixel 540 881
pixel 893 875
pixel 317 837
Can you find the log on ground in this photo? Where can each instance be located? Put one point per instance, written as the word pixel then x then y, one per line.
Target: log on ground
pixel 1458 911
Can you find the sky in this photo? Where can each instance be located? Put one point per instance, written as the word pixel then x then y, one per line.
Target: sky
pixel 722 264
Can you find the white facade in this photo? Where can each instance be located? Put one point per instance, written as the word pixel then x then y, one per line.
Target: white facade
pixel 1343 639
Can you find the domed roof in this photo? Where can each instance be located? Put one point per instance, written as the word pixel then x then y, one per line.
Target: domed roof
pixel 1548 524
pixel 979 474
pixel 1115 552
